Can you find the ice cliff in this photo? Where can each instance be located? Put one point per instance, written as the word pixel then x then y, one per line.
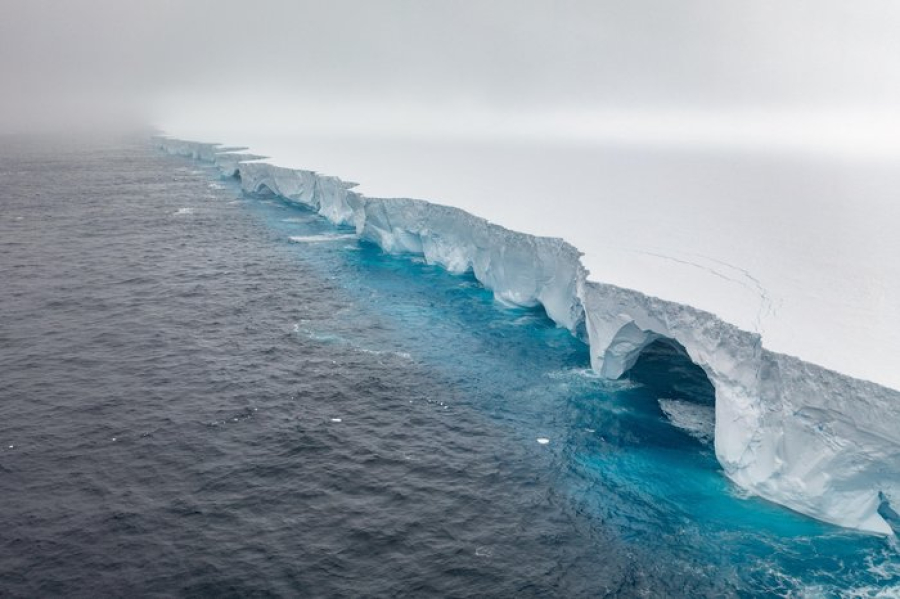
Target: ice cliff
pixel 816 441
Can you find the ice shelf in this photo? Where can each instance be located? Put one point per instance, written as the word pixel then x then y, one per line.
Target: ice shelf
pixel 812 439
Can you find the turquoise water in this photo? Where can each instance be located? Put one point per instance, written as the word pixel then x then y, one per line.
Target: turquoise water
pixel 612 451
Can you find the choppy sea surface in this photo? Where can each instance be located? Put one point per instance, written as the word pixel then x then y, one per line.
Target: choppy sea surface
pixel 207 394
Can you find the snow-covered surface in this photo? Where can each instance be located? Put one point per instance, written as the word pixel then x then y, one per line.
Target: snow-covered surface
pixel 803 250
pixel 741 259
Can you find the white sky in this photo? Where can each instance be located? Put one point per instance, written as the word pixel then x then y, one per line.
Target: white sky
pixel 714 70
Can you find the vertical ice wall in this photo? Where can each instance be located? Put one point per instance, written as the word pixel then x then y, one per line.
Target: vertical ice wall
pixel 811 439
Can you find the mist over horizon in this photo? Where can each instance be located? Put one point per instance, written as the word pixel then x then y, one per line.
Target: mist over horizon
pixel 804 75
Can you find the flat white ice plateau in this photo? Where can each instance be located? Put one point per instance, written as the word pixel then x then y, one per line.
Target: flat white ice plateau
pixel 804 250
pixel 799 251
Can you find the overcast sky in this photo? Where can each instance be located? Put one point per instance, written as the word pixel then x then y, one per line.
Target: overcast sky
pixel 695 68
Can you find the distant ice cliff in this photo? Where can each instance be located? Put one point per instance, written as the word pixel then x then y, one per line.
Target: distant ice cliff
pixel 821 443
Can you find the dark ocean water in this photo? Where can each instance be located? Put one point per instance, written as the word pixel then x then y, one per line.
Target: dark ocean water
pixel 211 395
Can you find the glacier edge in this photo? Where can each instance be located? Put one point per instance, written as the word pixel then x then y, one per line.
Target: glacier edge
pixel 816 441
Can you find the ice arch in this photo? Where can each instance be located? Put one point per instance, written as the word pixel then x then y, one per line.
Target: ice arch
pixel 621 323
pixel 784 429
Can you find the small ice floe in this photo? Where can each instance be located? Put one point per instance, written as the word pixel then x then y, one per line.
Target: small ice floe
pixel 113 438
pixel 326 238
pixel 336 420
pixel 11 446
pixel 183 211
pixel 543 440
pixel 697 420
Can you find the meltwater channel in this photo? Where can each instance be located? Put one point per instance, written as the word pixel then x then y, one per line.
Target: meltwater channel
pixel 206 393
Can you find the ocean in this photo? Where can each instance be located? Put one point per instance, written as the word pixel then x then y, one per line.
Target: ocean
pixel 210 394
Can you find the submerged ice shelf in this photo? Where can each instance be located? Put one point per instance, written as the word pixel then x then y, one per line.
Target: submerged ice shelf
pixel 814 440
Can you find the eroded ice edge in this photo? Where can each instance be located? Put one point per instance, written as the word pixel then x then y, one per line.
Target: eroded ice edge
pixel 811 439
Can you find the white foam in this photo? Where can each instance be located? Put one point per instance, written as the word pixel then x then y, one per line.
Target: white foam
pixel 382 352
pixel 863 592
pixel 183 211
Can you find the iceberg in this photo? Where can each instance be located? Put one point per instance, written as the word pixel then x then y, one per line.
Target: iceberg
pixel 819 442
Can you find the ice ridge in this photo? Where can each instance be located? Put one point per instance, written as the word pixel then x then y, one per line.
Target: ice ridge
pixel 816 441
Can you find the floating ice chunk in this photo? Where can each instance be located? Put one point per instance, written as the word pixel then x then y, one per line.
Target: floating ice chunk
pixel 336 420
pixel 324 238
pixel 543 440
pixel 697 420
